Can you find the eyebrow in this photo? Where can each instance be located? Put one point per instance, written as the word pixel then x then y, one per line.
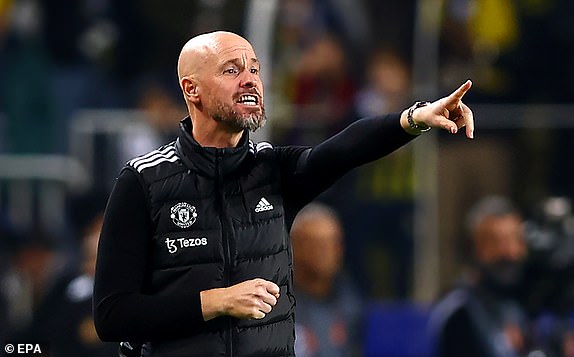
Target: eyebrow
pixel 237 62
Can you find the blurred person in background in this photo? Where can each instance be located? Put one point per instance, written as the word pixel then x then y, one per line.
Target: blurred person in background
pixel 483 316
pixel 33 268
pixel 388 84
pixel 548 288
pixel 27 115
pixel 194 256
pixel 161 113
pixel 64 316
pixel 328 308
pixel 323 91
pixel 500 43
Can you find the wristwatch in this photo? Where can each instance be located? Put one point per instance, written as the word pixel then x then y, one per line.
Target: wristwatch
pixel 421 127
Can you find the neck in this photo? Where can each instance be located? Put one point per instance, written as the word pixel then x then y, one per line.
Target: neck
pixel 210 133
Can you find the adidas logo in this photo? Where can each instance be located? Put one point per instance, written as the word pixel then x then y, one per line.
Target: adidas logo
pixel 263 205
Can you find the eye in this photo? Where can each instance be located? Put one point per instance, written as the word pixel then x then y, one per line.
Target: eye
pixel 231 70
pixel 254 70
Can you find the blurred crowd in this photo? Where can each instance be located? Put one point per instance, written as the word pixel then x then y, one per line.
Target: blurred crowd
pixel 333 61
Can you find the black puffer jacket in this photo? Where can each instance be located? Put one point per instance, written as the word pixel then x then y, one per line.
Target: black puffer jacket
pixel 219 220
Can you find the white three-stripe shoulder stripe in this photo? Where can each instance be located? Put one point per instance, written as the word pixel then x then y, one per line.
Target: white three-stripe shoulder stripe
pixel 153 158
pixel 254 148
pixel 264 145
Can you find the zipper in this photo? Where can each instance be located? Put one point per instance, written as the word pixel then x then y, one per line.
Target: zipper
pixel 226 244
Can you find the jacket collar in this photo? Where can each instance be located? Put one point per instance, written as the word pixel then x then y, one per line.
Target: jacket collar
pixel 209 161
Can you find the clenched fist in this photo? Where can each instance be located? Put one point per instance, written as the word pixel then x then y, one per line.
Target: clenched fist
pixel 251 299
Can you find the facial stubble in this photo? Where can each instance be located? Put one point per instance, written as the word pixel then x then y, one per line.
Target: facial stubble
pixel 224 113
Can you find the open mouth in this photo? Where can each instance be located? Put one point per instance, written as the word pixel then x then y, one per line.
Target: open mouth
pixel 248 99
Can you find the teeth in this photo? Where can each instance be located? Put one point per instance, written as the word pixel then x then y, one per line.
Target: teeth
pixel 248 99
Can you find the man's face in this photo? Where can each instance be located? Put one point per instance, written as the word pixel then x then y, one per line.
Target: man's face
pixel 501 249
pixel 500 239
pixel 232 91
pixel 317 247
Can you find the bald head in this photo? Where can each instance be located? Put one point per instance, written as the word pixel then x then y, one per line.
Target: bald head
pixel 201 49
pixel 317 232
pixel 219 78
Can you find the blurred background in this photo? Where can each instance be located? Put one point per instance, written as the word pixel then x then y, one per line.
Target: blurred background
pixel 87 84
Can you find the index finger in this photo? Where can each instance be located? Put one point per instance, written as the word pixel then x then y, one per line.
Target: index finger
pixel 271 287
pixel 461 91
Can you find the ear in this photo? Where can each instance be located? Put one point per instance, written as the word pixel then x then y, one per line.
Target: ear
pixel 190 89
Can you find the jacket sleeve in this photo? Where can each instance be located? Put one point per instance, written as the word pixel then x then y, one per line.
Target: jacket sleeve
pixel 307 173
pixel 121 311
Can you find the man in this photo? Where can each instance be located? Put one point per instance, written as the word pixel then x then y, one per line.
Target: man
pixel 64 316
pixel 328 306
pixel 483 317
pixel 194 256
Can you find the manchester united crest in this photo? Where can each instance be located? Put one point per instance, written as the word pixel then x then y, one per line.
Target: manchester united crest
pixel 183 215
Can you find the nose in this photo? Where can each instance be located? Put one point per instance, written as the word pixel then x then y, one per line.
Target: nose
pixel 249 80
